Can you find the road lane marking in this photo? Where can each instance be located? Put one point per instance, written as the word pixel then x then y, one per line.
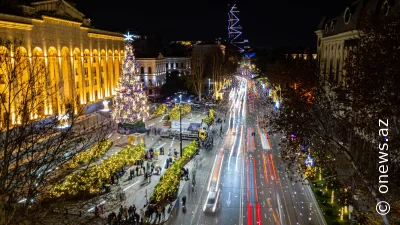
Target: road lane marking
pixel 255 179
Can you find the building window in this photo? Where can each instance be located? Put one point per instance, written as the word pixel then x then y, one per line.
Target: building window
pixel 76 72
pixel 347 16
pixel 386 8
pixel 181 65
pixel 2 79
pixel 101 68
pixel 142 80
pixel 166 65
pixel 87 97
pixel 149 69
pixel 96 95
pixel 95 81
pixel 142 70
pixel 77 84
pixel 94 59
pixel 85 60
pixel 86 72
pixel 150 83
pixel 78 99
pixel 176 65
pixel 86 83
pixel 94 71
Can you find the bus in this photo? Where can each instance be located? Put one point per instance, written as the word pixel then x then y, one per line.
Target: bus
pixel 213 184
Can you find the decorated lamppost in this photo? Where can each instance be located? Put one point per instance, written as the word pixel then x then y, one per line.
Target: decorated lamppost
pixel 180 123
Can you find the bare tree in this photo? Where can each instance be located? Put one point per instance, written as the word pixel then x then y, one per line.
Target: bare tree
pixel 33 145
pixel 341 118
pixel 198 66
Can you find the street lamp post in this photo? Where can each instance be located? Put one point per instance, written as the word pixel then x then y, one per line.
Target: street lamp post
pixel 180 123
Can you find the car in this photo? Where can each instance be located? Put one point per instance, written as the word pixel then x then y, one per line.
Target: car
pixel 212 201
pixel 210 104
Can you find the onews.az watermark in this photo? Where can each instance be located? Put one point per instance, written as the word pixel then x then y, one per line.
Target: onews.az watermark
pixel 383 207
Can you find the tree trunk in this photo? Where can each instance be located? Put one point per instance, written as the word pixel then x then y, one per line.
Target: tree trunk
pixel 2 208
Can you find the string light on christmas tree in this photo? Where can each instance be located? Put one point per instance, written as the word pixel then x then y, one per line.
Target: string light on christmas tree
pixel 130 101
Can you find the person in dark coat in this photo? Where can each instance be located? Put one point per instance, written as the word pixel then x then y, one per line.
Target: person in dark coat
pixel 131 174
pixel 137 170
pixel 112 179
pixel 130 211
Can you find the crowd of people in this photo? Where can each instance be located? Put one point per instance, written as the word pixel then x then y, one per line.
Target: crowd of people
pixel 131 216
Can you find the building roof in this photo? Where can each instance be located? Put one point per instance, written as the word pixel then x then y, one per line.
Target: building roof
pixel 54 8
pixel 349 18
pixel 140 55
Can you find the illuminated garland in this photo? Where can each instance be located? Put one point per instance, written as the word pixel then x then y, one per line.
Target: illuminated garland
pixel 95 152
pixel 160 110
pixel 168 186
pixel 174 113
pixel 130 100
pixel 90 181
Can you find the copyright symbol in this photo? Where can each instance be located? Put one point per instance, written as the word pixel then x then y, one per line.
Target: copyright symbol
pixel 382 208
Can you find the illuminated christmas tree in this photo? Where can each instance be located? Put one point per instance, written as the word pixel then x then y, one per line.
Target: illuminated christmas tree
pixel 130 101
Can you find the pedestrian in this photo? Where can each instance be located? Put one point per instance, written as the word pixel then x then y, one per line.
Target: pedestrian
pixel 137 218
pixel 121 209
pixel 130 211
pixel 163 212
pixel 187 174
pixel 131 174
pixel 159 213
pixel 119 217
pixel 134 208
pixel 126 213
pixel 137 170
pixel 112 179
pixel 142 214
pixel 96 211
pixel 109 219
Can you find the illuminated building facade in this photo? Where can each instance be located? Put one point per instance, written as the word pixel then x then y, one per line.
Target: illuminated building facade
pixel 82 63
pixel 180 64
pixel 152 71
pixel 338 35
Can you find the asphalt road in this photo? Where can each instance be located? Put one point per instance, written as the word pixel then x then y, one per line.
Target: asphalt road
pixel 255 189
pixel 278 199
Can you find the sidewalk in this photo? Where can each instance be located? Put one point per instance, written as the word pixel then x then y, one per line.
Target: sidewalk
pixel 83 211
pixel 139 194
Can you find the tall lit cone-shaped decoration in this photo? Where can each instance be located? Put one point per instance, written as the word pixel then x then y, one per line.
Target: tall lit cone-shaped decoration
pixel 130 100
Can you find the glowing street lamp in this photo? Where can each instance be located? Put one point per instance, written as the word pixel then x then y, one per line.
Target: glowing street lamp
pixel 105 104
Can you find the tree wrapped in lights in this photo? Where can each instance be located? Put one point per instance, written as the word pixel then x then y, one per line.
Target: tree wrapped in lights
pixel 174 113
pixel 167 188
pixel 130 101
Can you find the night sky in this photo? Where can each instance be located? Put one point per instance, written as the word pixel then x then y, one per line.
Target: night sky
pixel 265 23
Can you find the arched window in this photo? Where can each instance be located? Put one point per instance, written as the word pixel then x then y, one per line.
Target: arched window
pixel 141 70
pixel 149 69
